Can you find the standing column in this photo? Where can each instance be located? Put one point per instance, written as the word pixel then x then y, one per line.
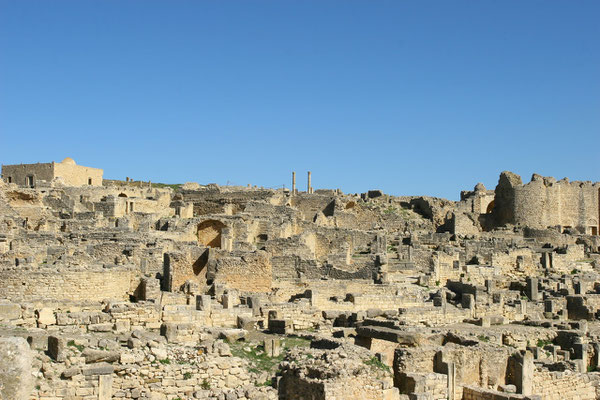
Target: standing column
pixel 451 383
pixel 309 187
pixel 293 182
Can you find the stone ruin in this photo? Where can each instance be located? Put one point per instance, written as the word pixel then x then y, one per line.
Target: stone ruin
pixel 133 290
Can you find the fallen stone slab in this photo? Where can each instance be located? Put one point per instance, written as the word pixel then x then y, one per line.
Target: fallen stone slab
pixel 95 356
pixel 390 335
pixel 98 369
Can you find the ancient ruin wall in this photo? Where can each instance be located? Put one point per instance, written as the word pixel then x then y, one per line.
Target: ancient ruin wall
pixel 76 285
pixel 544 202
pixel 18 173
pixel 77 175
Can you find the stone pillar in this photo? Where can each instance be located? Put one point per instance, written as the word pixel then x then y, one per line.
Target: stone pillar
pixel 105 387
pixel 580 287
pixel 272 347
pixel 549 308
pixel 524 374
pixel 309 186
pixel 56 348
pixel 521 307
pixel 451 381
pixel 532 289
pixel 293 182
pixel 580 352
pixel 203 302
pixel 226 239
pixel 546 260
pixel 596 358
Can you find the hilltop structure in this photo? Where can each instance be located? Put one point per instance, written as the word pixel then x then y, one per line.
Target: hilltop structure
pixel 66 172
pixel 128 289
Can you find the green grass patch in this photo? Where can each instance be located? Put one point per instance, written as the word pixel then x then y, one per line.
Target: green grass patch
pixel 375 363
pixel 259 360
pixel 390 211
pixel 166 361
pixel 72 343
pixel 483 338
pixel 543 343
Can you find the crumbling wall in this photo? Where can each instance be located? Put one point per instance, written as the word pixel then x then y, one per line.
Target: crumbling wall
pixel 560 385
pixel 544 202
pixel 68 284
pixel 251 272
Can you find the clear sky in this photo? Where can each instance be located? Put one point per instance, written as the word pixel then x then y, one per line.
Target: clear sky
pixel 411 97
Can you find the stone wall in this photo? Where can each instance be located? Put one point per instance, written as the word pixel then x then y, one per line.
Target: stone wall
pixel 479 393
pixel 68 284
pixel 17 174
pixel 249 273
pixel 78 175
pixel 565 385
pixel 544 202
pixel 70 173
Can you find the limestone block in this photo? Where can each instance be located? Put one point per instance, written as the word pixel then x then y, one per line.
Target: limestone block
pixel 16 380
pixel 105 387
pixel 71 372
pixel 98 369
pixel 203 302
pixel 94 356
pixel 272 347
pixel 56 348
pixel 9 311
pixel 280 326
pixel 45 316
pixel 233 335
pixel 246 323
pixel 105 327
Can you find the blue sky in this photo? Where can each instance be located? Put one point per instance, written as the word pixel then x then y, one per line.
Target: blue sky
pixel 419 97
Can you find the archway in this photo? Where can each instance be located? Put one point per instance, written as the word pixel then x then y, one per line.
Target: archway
pixel 490 207
pixel 209 233
pixel 122 195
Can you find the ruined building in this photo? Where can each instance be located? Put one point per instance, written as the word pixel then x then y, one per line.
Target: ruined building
pixel 127 289
pixel 66 172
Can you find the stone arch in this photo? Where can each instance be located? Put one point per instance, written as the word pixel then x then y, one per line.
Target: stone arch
pixel 122 195
pixel 209 233
pixel 490 207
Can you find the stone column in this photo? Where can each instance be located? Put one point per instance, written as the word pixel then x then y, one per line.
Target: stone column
pixel 532 289
pixel 524 374
pixel 293 182
pixel 596 358
pixel 309 187
pixel 105 387
pixel 451 381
